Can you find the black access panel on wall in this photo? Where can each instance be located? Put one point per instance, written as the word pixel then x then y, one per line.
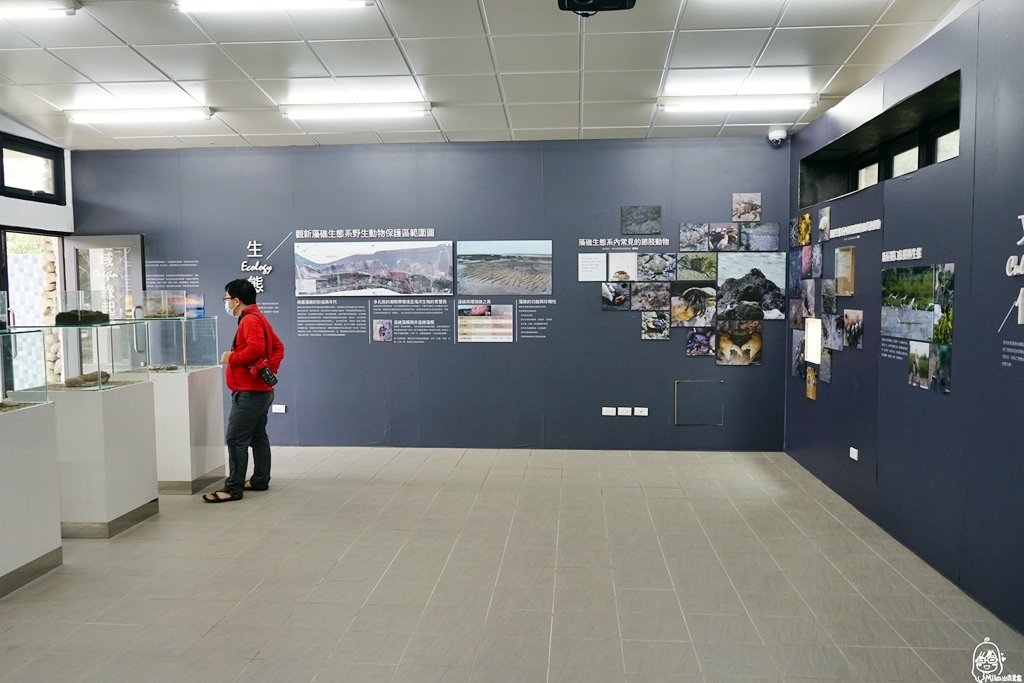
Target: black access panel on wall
pixel 699 403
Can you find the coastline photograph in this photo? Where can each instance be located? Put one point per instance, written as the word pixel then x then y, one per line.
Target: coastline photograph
pixel 498 267
pixel 373 269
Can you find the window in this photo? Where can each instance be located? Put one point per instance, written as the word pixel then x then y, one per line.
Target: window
pixel 947 146
pixel 905 162
pixel 31 170
pixel 867 176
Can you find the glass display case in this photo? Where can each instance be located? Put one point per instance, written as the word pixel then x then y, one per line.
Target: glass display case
pixel 195 306
pixel 164 304
pixel 22 369
pixel 86 307
pixel 182 344
pixel 101 355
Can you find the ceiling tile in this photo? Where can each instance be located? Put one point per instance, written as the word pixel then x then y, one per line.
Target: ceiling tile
pixel 152 143
pixel 131 130
pixel 547 134
pixel 544 115
pixel 306 91
pixel 508 18
pixel 617 114
pixel 620 86
pixel 851 77
pixel 889 43
pixel 625 51
pixel 203 141
pixel 192 62
pixel 500 135
pixel 246 27
pixel 15 99
pixel 382 89
pixel 909 11
pixel 212 127
pixel 449 55
pixel 846 13
pixel 56 126
pixel 89 144
pixel 391 137
pixel 773 80
pixel 339 126
pixel 471 117
pixel 704 81
pixel 78 30
pixel 146 23
pixel 412 124
pixel 280 140
pixel 11 38
pixel 233 94
pixel 366 138
pixel 530 54
pixel 344 25
pixel 776 119
pixel 437 18
pixel 76 96
pixel 758 131
pixel 685 131
pixel 109 63
pixel 534 88
pixel 731 13
pixel 809 46
pixel 615 133
pixel 646 16
pixel 36 66
pixel 697 118
pixel 159 94
pixel 269 122
pixel 276 60
pixel 695 49
pixel 462 89
pixel 362 57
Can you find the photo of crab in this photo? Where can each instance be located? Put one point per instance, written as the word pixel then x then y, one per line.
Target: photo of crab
pixel 797 314
pixel 794 233
pixel 942 332
pixel 807 297
pixel 700 341
pixel 806 261
pixel 917 365
pixel 503 267
pixel 824 224
pixel 655 325
pixel 693 236
pixel 811 390
pixel 909 310
pixel 649 296
pixel 615 296
pixel 825 367
pixel 803 229
pixel 853 328
pixel 759 236
pixel 816 260
pixel 828 297
pixel 750 286
pixel 724 237
pixel 746 206
pixel 622 266
pixel 693 304
pixel 656 267
pixel 831 332
pixel 641 220
pixel 796 257
pixel 739 342
pixel 697 267
pixel 797 354
pixel 383 330
pixel 940 368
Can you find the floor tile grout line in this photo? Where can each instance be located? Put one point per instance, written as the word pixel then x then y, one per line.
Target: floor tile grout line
pixel 615 595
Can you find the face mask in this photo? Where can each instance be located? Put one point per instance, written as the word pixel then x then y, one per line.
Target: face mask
pixel 229 308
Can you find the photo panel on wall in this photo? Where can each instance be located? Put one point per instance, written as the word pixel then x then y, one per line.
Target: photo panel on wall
pixel 853 328
pixel 824 224
pixel 743 236
pixel 615 296
pixel 800 231
pixel 797 354
pixel 691 266
pixel 825 367
pixel 693 304
pixel 340 269
pixel 908 302
pixel 656 267
pixel 654 325
pixel 831 332
pixel 746 206
pixel 510 267
pixel 750 286
pixel 622 266
pixel 693 236
pixel 811 390
pixel 650 296
pixel 828 297
pixel 700 341
pixel 641 220
pixel 739 342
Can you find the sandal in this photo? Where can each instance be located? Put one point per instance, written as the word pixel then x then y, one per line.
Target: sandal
pixel 248 486
pixel 216 498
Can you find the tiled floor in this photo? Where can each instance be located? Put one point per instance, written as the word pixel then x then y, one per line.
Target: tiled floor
pixel 455 566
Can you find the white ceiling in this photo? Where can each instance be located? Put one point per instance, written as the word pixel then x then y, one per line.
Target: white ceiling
pixel 493 69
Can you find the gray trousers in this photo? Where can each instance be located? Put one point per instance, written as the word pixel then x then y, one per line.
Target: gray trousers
pixel 247 426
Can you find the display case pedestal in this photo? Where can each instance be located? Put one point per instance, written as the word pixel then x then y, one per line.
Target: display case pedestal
pixel 106 455
pixel 189 429
pixel 29 496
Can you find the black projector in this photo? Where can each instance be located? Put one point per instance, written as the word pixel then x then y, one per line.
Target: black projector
pixel 591 6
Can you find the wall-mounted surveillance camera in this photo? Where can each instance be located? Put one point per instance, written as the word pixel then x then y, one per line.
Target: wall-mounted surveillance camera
pixel 777 137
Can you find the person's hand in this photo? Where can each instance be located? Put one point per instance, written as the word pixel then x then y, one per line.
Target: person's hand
pixel 224 357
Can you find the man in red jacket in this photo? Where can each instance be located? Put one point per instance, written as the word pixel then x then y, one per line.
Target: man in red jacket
pixel 255 347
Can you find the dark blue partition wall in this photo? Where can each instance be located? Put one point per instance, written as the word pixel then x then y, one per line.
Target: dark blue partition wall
pixel 206 205
pixel 943 474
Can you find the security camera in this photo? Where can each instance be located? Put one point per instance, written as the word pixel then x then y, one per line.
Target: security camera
pixel 777 137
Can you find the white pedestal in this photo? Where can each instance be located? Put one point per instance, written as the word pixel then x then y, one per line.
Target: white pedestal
pixel 106 456
pixel 29 496
pixel 189 429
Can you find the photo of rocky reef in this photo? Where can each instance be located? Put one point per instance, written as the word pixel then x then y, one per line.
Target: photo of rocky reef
pixel 614 296
pixel 825 367
pixel 504 267
pixel 828 297
pixel 373 268
pixel 749 286
pixel 697 267
pixel 693 236
pixel 795 263
pixel 656 267
pixel 759 236
pixel 797 366
pixel 739 342
pixel 650 296
pixel 641 220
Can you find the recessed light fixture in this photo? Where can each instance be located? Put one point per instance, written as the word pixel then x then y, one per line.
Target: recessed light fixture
pixel 389 110
pixel 138 115
pixel 37 10
pixel 194 6
pixel 737 103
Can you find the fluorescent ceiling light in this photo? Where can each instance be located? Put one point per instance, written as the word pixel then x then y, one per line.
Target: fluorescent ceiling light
pixel 138 115
pixel 391 110
pixel 812 340
pixel 36 10
pixel 193 6
pixel 738 103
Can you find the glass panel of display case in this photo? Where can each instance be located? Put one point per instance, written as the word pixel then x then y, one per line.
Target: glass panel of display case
pixel 22 369
pixel 102 355
pixel 165 304
pixel 201 343
pixel 195 306
pixel 85 307
pixel 109 271
pixel 179 345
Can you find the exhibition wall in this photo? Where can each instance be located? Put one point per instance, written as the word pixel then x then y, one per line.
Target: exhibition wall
pixel 202 210
pixel 940 468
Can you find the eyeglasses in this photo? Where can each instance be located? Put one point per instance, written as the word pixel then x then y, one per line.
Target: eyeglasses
pixel 229 298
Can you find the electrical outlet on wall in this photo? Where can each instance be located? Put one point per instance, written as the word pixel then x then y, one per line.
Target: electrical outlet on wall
pixel 640 412
pixel 854 453
pixel 278 408
pixel 628 412
pixel 606 410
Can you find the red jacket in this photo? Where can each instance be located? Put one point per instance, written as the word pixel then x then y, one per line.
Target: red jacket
pixel 254 331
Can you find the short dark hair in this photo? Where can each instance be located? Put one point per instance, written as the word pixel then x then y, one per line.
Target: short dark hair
pixel 241 290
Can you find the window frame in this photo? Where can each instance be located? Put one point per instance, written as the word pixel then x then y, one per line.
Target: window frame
pixel 863 161
pixel 39 149
pixel 936 131
pixel 899 146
